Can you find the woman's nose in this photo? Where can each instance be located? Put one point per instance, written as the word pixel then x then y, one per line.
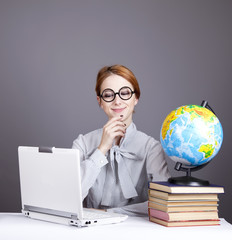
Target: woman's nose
pixel 117 99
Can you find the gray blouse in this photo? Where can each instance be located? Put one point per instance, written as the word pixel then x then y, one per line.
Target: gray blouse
pixel 119 179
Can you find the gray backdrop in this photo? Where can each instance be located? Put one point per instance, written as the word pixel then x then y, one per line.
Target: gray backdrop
pixel 51 51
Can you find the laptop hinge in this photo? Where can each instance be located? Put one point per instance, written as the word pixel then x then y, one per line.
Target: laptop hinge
pixel 45 149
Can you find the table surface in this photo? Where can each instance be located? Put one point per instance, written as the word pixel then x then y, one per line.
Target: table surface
pixel 17 226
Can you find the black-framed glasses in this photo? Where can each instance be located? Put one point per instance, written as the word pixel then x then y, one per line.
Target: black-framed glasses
pixel 125 93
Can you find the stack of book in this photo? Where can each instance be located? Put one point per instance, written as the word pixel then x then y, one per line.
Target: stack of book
pixel 175 205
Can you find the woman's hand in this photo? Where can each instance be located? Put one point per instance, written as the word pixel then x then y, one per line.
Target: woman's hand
pixel 113 130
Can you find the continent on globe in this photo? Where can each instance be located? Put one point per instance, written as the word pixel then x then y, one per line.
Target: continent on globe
pixel 191 135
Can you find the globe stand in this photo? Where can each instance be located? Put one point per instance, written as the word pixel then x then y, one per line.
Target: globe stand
pixel 188 179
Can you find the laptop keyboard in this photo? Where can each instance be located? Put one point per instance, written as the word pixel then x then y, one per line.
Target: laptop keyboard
pixel 88 214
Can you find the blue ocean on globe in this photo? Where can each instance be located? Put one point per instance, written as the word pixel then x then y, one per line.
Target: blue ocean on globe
pixel 191 135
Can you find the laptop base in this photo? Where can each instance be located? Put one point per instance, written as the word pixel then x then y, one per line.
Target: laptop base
pixel 74 222
pixel 51 218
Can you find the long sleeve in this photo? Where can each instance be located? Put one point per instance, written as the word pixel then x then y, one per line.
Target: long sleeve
pixel 91 163
pixel 156 164
pixel 137 209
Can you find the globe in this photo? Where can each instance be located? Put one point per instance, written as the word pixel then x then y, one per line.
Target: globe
pixel 191 135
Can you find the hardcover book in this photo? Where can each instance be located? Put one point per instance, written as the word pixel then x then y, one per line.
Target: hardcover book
pixel 173 188
pixel 185 223
pixel 189 208
pixel 180 216
pixel 183 196
pixel 189 202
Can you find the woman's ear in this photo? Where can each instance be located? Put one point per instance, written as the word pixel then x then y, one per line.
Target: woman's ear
pixel 99 101
pixel 136 101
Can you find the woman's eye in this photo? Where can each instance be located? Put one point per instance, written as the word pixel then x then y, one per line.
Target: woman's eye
pixel 108 95
pixel 126 92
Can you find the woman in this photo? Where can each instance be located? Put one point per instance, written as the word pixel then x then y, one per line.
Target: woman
pixel 117 161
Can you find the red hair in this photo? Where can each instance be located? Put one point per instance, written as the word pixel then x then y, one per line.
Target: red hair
pixel 120 71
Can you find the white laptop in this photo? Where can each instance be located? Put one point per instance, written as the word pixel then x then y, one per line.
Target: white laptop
pixel 50 185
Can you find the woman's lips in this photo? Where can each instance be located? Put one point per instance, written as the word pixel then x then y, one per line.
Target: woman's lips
pixel 118 110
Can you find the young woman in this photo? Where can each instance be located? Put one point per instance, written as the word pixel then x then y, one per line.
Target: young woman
pixel 117 161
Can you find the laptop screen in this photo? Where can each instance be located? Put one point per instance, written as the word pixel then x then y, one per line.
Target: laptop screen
pixel 50 181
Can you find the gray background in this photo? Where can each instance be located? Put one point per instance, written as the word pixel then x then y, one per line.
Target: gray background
pixel 51 51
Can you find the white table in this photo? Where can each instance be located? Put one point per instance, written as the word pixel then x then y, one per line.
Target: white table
pixel 15 226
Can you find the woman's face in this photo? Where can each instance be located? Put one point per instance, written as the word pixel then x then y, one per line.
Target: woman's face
pixel 118 106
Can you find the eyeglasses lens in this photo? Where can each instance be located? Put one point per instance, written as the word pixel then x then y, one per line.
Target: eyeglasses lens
pixel 124 93
pixel 108 95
